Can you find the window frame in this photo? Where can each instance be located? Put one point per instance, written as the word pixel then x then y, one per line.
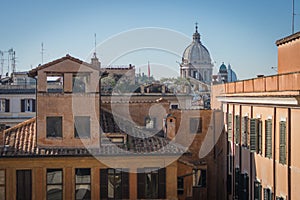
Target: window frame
pixel 4 105
pixel 55 184
pixel 28 105
pixel 200 179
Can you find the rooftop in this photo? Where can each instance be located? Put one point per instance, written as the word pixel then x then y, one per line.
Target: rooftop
pixel 288 38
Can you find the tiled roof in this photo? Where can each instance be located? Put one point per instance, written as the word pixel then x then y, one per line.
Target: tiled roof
pixel 20 141
pixel 34 71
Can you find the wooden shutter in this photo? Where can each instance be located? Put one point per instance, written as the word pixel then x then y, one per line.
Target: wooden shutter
pixel 33 105
pixel 162 183
pixel 237 183
pixel 259 137
pixel 245 131
pixel 6 105
pixel 257 190
pixel 125 184
pixel 22 105
pixel 253 134
pixel 141 183
pixel 237 129
pixel 24 185
pixel 103 183
pixel 282 142
pixel 229 127
pixel 268 138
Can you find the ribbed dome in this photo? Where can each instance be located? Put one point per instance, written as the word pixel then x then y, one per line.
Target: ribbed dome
pixel 196 52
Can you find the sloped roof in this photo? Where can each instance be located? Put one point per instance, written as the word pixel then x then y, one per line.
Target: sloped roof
pixel 33 72
pixel 20 141
pixel 288 39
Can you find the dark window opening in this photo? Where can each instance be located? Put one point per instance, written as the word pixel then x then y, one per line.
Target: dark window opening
pixel 79 83
pixel 82 126
pixel 54 126
pixel 196 125
pixel 24 185
pixel 180 185
pixel 199 178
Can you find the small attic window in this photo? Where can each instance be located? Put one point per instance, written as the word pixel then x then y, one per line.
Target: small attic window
pixel 55 83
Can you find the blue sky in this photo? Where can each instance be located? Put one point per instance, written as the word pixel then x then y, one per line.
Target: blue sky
pixel 242 33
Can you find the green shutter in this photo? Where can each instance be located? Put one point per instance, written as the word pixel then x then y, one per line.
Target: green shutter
pixel 229 127
pixel 268 138
pixel 259 137
pixel 257 190
pixel 237 183
pixel 237 129
pixel 245 131
pixel 282 142
pixel 253 134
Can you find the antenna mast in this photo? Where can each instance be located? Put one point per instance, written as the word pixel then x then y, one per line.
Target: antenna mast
pixel 2 62
pixel 95 38
pixel 42 52
pixel 293 17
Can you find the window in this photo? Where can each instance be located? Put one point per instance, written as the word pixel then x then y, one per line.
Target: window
pixel 180 185
pixel 237 131
pixel 28 105
pixel 256 135
pixel 54 184
pixel 245 131
pixel 24 187
pixel 82 184
pixel 196 125
pixel 55 83
pixel 79 83
pixel 174 106
pixel 82 126
pixel 4 105
pixel 268 138
pixel 2 184
pixel 151 183
pixel 114 184
pixel 244 186
pixel 54 126
pixel 267 194
pixel 229 127
pixel 199 178
pixel 282 142
pixel 279 198
pixel 257 190
pixel 150 122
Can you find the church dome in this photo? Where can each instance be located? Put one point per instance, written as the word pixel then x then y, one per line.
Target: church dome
pixel 196 53
pixel 223 68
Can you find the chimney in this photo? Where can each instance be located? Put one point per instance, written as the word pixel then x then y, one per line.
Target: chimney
pixel 95 61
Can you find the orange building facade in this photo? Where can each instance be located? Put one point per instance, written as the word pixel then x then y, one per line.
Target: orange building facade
pixel 261 121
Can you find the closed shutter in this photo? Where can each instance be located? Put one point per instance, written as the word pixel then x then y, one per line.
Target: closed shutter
pixel 237 129
pixel 141 183
pixel 253 134
pixel 24 185
pixel 229 127
pixel 237 183
pixel 103 183
pixel 245 131
pixel 257 190
pixel 125 184
pixel 282 142
pixel 22 105
pixel 267 194
pixel 259 137
pixel 162 183
pixel 268 137
pixel 33 105
pixel 6 105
